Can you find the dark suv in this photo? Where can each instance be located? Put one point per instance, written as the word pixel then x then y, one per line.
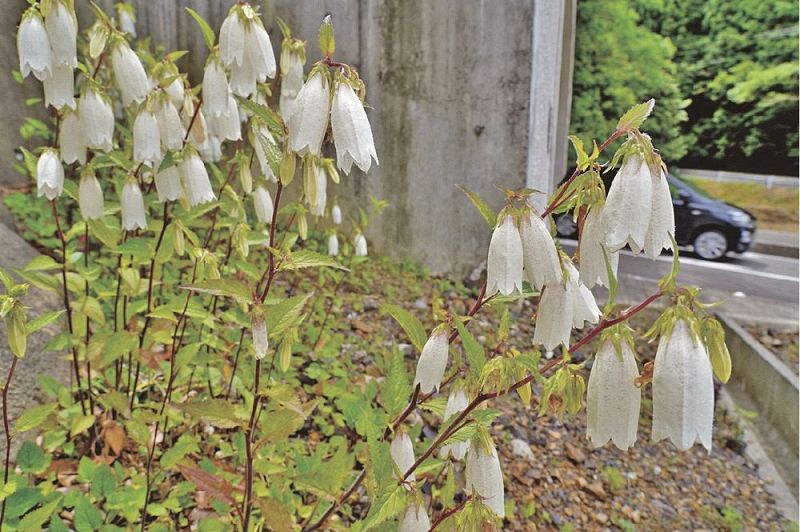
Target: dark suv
pixel 709 226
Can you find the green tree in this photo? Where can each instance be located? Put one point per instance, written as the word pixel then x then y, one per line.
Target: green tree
pixel 618 63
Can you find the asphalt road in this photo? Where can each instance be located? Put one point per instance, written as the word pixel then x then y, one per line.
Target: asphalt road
pixel 751 286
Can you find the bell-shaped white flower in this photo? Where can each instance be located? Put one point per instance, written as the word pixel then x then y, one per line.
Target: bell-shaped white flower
pixel 127 20
pixel 33 46
pixel 504 265
pixel 457 401
pixel 683 390
pixel 352 133
pixel 90 197
pixel 291 80
pixel 59 87
pixel 262 202
pixel 146 138
pixel 132 202
pixel 628 206
pixel 73 145
pixel 169 125
pixel 539 253
pixel 333 245
pixel 62 31
pixel 211 149
pixel 259 50
pixel 613 399
pixel 168 184
pixel 129 73
pixel 176 91
pixel 97 118
pixel 433 361
pixel 195 180
pixel 415 519
pixel 361 245
pixel 661 228
pixel 484 476
pixel 402 451
pixel 309 119
pixel 260 339
pixel 336 215
pixel 231 39
pixel 243 79
pixel 227 126
pixel 553 317
pixel 584 306
pixel 593 263
pixel 320 192
pixel 49 175
pixel 215 89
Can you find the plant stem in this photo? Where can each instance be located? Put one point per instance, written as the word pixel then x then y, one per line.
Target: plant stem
pixel 235 362
pixel 8 434
pixel 447 513
pixel 248 485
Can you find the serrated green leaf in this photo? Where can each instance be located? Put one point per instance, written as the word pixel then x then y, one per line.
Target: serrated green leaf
pixel 483 208
pixel 396 387
pixel 217 412
pixel 42 321
pixel 234 288
pixel 32 459
pixel 476 356
pixel 410 324
pixel 308 259
pixel 33 417
pixel 636 115
pixel 285 315
pixel 42 262
pixel 35 519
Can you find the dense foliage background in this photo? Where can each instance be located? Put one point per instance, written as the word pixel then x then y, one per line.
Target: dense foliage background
pixel 724 75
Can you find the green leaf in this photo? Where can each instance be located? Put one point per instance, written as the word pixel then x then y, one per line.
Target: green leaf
pixel 87 517
pixel 108 236
pixel 410 324
pixel 283 422
pixel 208 33
pixel 388 505
pixel 483 207
pixel 80 424
pixel 187 443
pixel 636 115
pixel 475 353
pixel 32 459
pixel 42 321
pixel 217 412
pixel 273 121
pixel 42 262
pixel 234 288
pixel 103 481
pixel 395 388
pixel 35 519
pixel 285 315
pixel 33 417
pixel 327 43
pixel 308 259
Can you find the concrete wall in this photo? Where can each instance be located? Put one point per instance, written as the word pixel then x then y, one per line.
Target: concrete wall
pixel 451 89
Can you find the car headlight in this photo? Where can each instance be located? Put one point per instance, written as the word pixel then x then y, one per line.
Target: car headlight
pixel 739 217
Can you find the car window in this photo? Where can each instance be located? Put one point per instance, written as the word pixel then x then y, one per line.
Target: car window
pixel 676 184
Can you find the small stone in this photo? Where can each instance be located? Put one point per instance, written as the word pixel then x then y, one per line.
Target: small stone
pixel 406 349
pixel 574 454
pixel 371 304
pixel 600 517
pixel 521 448
pixel 657 470
pixel 420 304
pixel 596 489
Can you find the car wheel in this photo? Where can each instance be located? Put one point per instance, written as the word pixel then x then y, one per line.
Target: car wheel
pixel 710 244
pixel 566 227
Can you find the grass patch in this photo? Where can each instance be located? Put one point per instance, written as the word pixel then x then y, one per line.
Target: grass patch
pixel 775 208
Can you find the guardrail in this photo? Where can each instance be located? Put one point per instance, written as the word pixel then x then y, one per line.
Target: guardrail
pixel 768 181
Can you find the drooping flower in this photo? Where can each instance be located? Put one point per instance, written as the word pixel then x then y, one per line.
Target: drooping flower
pixel 336 215
pixel 245 48
pixel 554 317
pixel 457 401
pixel 49 175
pixel 260 339
pixel 291 80
pixel 262 202
pixel 433 361
pixel 33 46
pixel 129 73
pixel 415 519
pixel 661 228
pixel 132 202
pixel 484 476
pixel 97 118
pixel 333 245
pixel 683 389
pixel 352 133
pixel 62 32
pixel 539 253
pixel 613 399
pixel 90 197
pixel 215 88
pixel 584 307
pixel 627 211
pixel 59 87
pixel 504 265
pixel 169 125
pixel 227 126
pixel 127 19
pixel 168 184
pixel 317 207
pixel 309 119
pixel 259 48
pixel 176 91
pixel 73 145
pixel 593 264
pixel 195 180
pixel 402 451
pixel 361 245
pixel 146 138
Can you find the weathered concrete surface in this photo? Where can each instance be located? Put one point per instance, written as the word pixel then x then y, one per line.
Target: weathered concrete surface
pixel 24 390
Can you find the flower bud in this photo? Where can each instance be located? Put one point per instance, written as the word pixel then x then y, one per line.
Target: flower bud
pixel 62 32
pixel 215 89
pixel 361 245
pixel 129 73
pixel 33 46
pixel 146 138
pixel 683 389
pixel 336 215
pixel 457 401
pixel 627 211
pixel 73 145
pixel 262 202
pixel 415 519
pixel 553 317
pixel 169 125
pixel 133 212
pixel 352 133
pixel 260 340
pixel 483 475
pixel 196 181
pixel 504 265
pixel 49 175
pixel 291 80
pixel 613 399
pixel 539 253
pixel 176 91
pixel 97 118
pixel 661 228
pixel 593 269
pixel 168 184
pixel 309 119
pixel 59 87
pixel 402 451
pixel 90 197
pixel 333 245
pixel 433 361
